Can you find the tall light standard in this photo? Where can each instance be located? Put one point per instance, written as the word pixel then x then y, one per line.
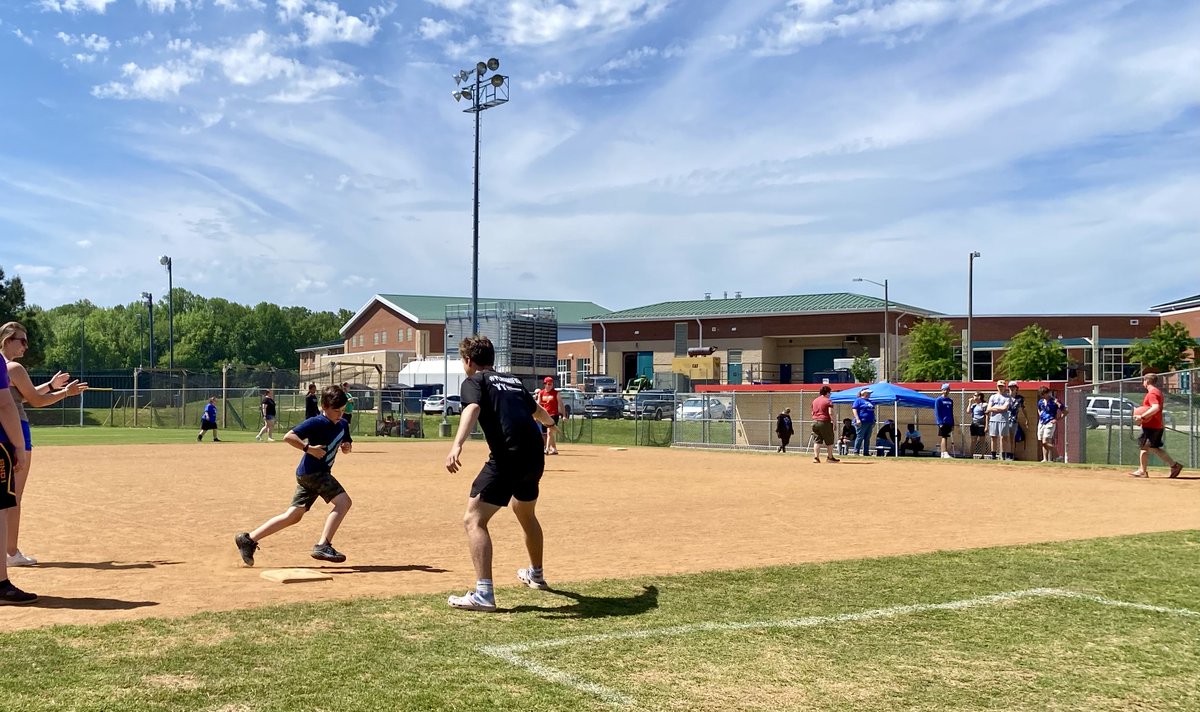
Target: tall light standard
pixel 885 353
pixel 483 96
pixel 166 262
pixel 444 427
pixel 82 319
pixel 969 356
pixel 148 300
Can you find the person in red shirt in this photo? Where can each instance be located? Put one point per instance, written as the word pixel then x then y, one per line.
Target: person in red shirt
pixel 547 397
pixel 1153 428
pixel 822 427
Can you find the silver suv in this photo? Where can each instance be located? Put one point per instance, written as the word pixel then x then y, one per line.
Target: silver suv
pixel 1114 410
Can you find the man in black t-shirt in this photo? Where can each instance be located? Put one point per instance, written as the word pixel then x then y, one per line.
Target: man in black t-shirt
pixel 509 416
pixel 268 413
pixel 312 402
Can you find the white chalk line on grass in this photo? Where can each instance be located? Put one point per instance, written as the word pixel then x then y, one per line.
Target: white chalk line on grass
pixel 514 653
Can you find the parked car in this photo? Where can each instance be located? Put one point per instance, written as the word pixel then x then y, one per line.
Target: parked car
pixel 1113 410
pixel 651 404
pixel 701 409
pixel 600 384
pixel 572 400
pixel 435 404
pixel 612 407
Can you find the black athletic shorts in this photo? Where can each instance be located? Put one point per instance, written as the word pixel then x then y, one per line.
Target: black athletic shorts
pixel 309 487
pixel 207 425
pixel 978 430
pixel 502 480
pixel 945 431
pixel 1151 438
pixel 8 484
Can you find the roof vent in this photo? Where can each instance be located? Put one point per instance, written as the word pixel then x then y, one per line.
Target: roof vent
pixel 737 295
pixel 707 296
pixel 726 295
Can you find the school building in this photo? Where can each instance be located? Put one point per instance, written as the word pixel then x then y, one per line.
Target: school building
pixel 792 338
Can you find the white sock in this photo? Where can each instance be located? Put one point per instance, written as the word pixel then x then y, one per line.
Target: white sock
pixel 484 588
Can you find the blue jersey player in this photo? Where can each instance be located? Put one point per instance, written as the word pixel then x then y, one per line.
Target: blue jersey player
pixel 321 438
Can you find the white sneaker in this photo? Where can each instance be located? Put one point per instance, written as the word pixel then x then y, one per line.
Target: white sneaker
pixel 526 577
pixel 270 440
pixel 472 601
pixel 947 456
pixel 19 559
pixel 258 438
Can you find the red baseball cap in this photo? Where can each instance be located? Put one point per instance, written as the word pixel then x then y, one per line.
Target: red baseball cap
pixel 548 379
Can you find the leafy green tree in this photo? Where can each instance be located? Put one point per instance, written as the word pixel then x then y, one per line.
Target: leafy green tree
pixel 1032 354
pixel 1167 349
pixel 13 308
pixel 930 353
pixel 863 369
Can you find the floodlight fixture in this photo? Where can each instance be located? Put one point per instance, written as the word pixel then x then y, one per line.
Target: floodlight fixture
pixel 457 95
pixel 497 80
pixel 493 64
pixel 466 92
pixel 457 79
pixel 164 260
pixel 481 67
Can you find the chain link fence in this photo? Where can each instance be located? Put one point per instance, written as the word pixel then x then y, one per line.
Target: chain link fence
pixel 1101 428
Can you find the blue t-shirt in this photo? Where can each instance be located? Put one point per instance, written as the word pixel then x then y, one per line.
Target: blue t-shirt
pixel 321 431
pixel 943 410
pixel 1047 410
pixel 3 384
pixel 865 410
pixel 210 413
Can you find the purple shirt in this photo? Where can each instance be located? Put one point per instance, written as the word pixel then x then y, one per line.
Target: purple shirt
pixel 3 384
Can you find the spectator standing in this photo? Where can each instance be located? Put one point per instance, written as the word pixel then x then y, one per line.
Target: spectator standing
pixel 268 414
pixel 822 427
pixel 208 420
pixel 1153 429
pixel 864 422
pixel 977 413
pixel 998 407
pixel 1018 421
pixel 1049 413
pixel 348 414
pixel 13 461
pixel 548 398
pixel 312 402
pixel 783 429
pixel 943 413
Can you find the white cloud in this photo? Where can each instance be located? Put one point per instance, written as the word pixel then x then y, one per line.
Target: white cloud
pixel 234 5
pixel 22 36
pixel 93 42
pixel 811 22
pixel 83 243
pixel 289 9
pixel 534 22
pixel 75 6
pixel 162 6
pixel 34 270
pixel 543 79
pixel 84 58
pixel 431 29
pixel 310 83
pixel 632 59
pixel 155 83
pixel 452 5
pixel 329 23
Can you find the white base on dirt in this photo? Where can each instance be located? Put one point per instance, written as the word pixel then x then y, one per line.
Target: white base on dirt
pixel 295 575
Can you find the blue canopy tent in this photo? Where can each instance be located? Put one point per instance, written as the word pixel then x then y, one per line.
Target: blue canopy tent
pixel 885 393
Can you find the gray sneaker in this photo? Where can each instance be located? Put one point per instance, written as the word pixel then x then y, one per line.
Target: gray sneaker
pixel 326 552
pixel 246 547
pixel 10 595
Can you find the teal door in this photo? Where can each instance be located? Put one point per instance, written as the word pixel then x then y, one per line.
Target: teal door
pixel 817 360
pixel 734 373
pixel 645 364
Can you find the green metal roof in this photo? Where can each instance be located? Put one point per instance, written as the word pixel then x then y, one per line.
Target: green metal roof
pixel 756 306
pixel 1185 303
pixel 433 309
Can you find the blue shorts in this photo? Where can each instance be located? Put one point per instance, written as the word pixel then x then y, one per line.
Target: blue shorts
pixel 28 437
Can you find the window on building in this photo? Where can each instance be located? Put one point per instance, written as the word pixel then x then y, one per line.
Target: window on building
pixel 583 367
pixel 383 337
pixel 1113 366
pixel 375 338
pixel 409 339
pixel 981 365
pixel 399 336
pixel 564 371
pixel 681 333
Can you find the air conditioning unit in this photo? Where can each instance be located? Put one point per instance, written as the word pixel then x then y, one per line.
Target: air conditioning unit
pixel 850 340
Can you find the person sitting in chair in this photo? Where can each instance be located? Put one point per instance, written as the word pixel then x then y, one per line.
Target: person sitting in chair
pixel 846 441
pixel 912 441
pixel 885 439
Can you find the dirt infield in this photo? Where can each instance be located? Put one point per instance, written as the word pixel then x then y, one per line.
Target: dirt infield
pixel 139 531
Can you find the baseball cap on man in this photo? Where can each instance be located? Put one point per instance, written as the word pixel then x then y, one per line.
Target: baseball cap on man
pixel 945 387
pixel 548 379
pixel 1012 383
pixel 1001 382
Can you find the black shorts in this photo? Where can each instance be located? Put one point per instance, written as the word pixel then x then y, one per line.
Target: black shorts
pixel 347 417
pixel 945 431
pixel 1151 438
pixel 502 480
pixel 309 487
pixel 8 484
pixel 978 430
pixel 206 425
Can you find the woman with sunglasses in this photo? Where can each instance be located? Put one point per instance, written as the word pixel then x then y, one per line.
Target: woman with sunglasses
pixel 14 341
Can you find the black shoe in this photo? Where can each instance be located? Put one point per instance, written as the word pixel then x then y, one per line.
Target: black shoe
pixel 10 595
pixel 199 438
pixel 246 547
pixel 217 440
pixel 326 552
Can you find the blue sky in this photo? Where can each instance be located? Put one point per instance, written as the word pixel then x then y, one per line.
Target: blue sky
pixel 310 152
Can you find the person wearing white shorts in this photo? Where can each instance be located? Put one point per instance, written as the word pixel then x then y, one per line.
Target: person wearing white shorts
pixel 998 422
pixel 1050 411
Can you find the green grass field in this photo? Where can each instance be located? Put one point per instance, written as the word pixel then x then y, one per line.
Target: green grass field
pixel 714 641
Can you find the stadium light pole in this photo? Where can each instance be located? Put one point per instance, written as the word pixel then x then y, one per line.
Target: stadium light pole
pixel 82 318
pixel 484 95
pixel 148 300
pixel 885 355
pixel 969 357
pixel 444 427
pixel 166 262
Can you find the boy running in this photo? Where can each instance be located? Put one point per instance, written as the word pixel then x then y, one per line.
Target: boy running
pixel 509 417
pixel 1153 429
pixel 321 438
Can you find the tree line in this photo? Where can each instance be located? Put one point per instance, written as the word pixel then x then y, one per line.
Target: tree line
pixel 208 332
